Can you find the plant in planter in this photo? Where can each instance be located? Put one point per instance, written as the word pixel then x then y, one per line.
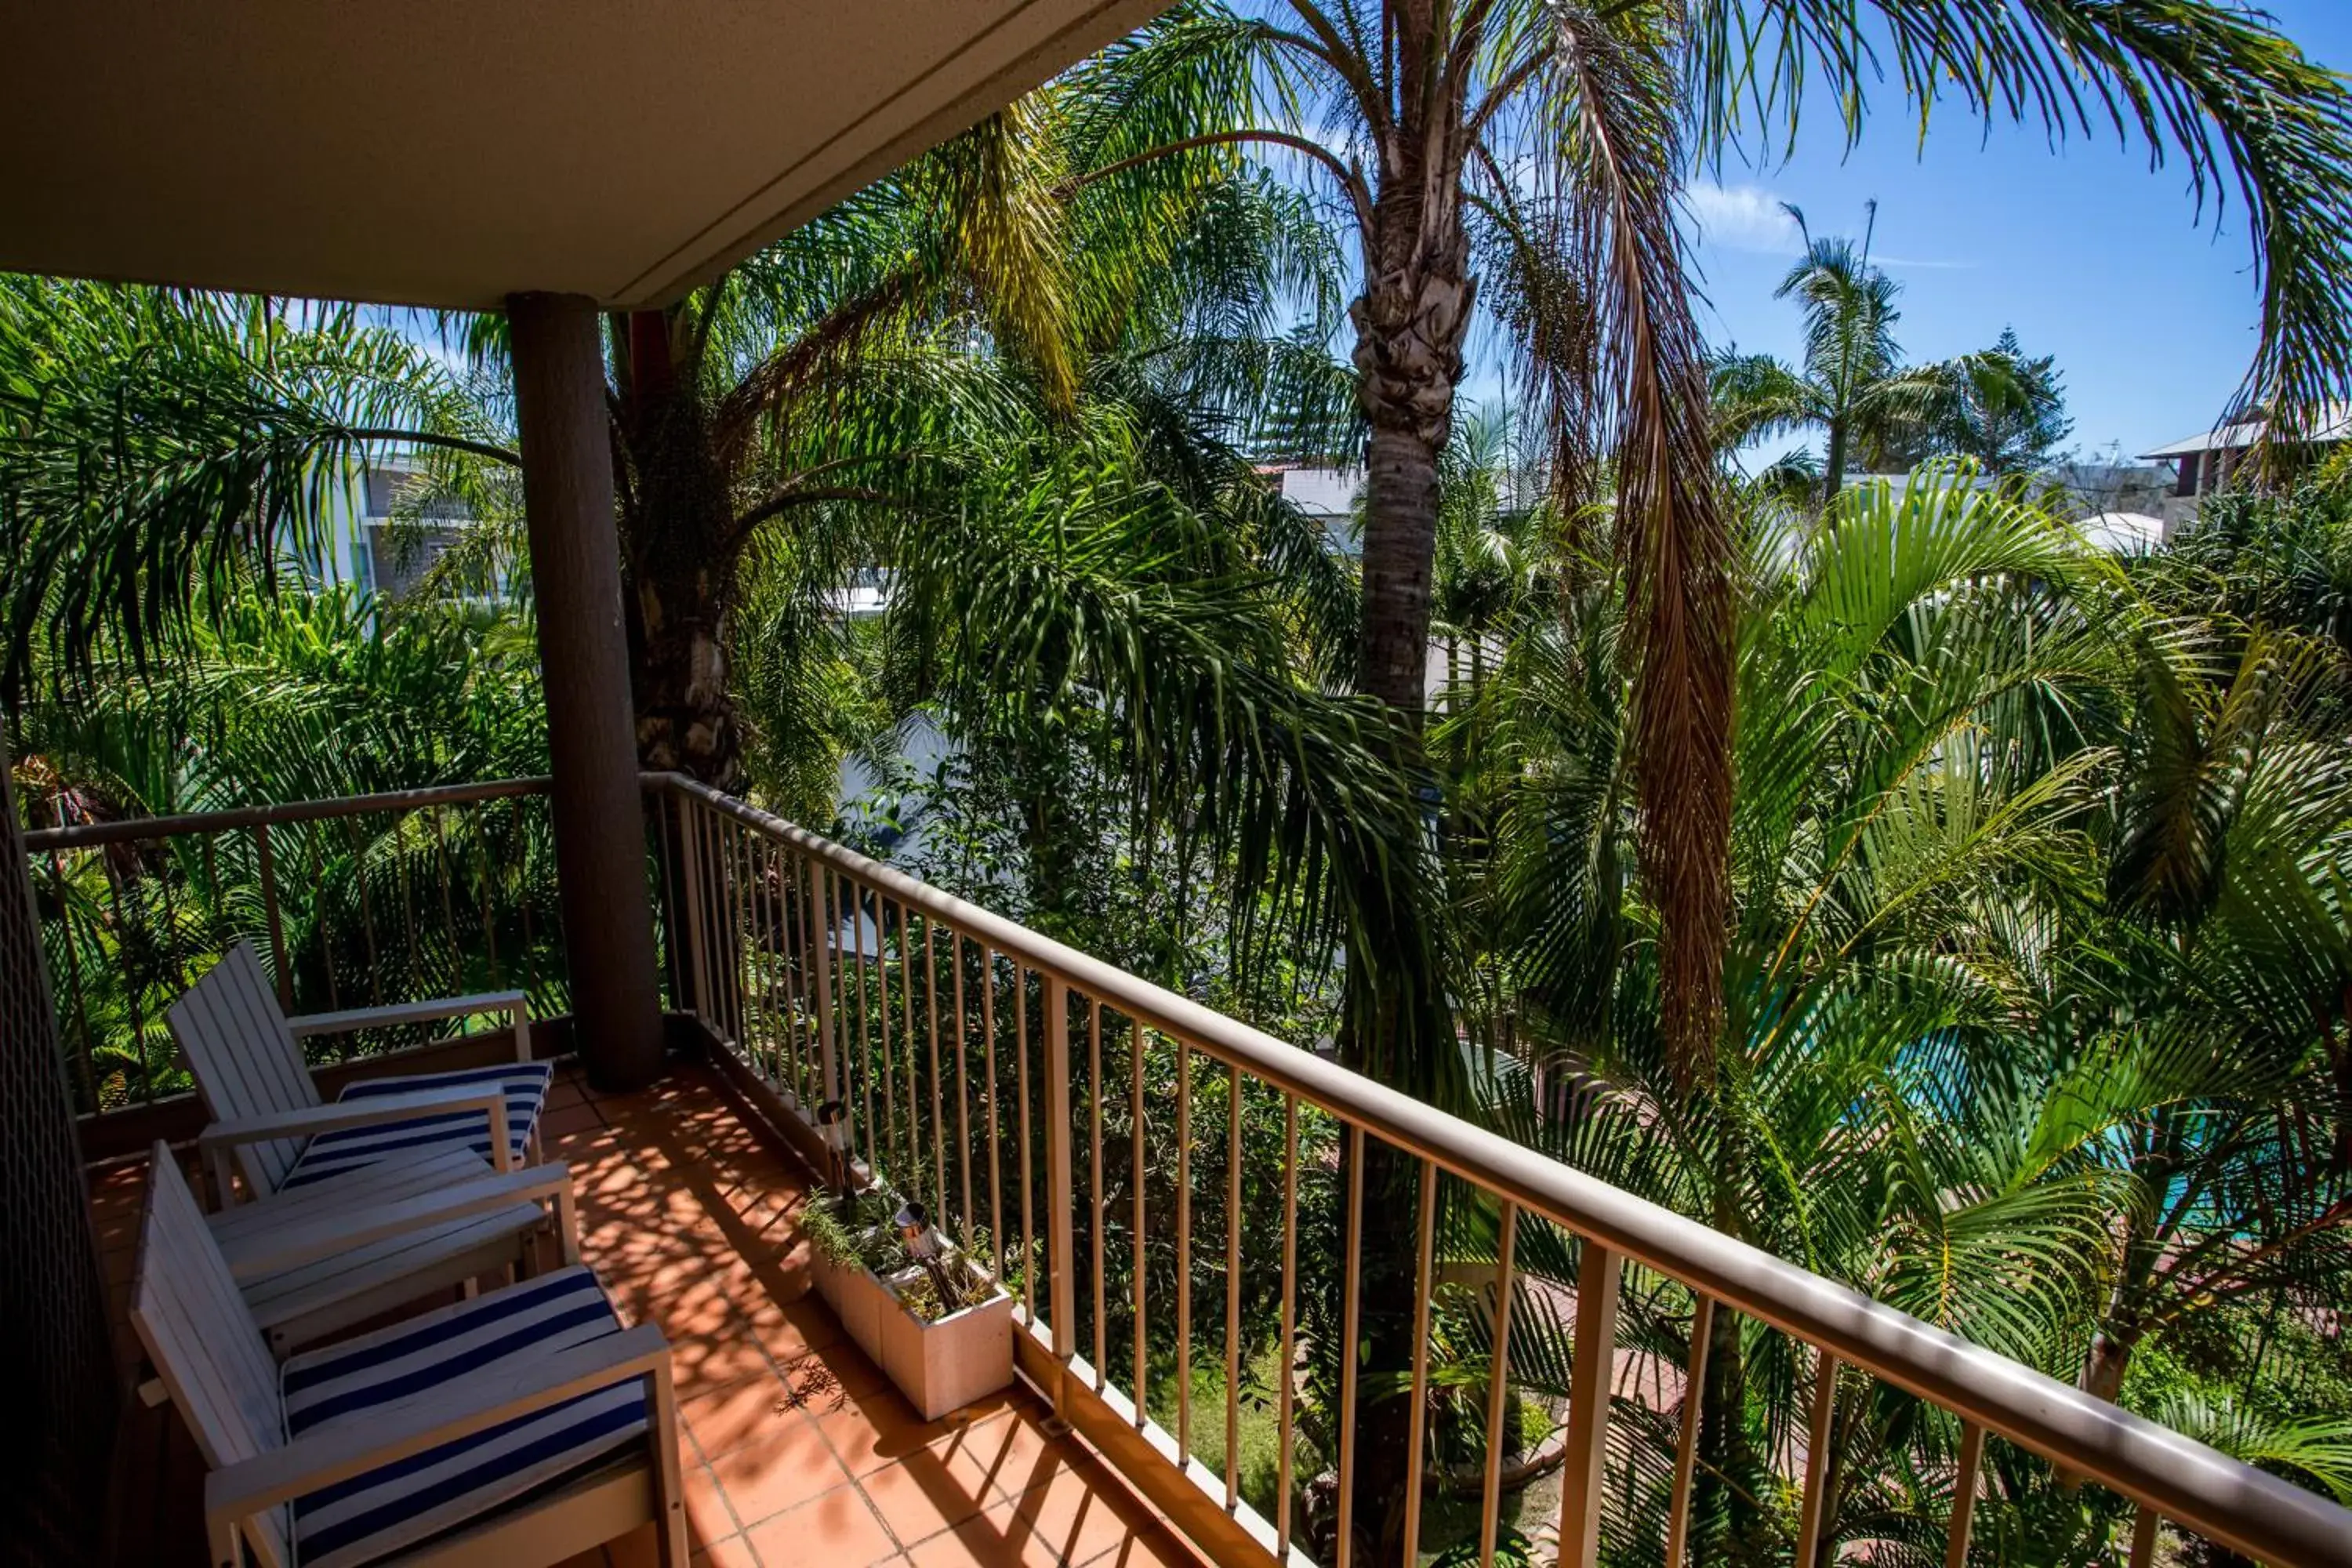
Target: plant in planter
pixel 940 1330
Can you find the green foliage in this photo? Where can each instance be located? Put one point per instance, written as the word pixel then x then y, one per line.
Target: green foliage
pixel 2035 953
pixel 1997 408
pixel 282 696
pixel 855 1231
pixel 159 449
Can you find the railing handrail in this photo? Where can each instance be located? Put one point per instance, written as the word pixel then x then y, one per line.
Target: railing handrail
pixel 2226 1500
pixel 130 829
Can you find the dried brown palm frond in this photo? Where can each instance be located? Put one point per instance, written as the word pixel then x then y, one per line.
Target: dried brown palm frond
pixel 1608 196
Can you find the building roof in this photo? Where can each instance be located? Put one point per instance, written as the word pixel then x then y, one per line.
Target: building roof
pixel 2335 424
pixel 449 152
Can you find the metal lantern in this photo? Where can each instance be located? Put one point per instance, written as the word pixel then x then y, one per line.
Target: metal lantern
pixel 833 1126
pixel 923 1245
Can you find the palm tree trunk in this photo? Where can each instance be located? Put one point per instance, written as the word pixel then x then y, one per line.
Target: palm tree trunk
pixel 686 720
pixel 1833 467
pixel 679 529
pixel 1409 325
pixel 1399 548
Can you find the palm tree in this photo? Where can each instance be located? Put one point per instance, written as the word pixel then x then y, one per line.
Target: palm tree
pixel 159 450
pixel 287 695
pixel 1853 384
pixel 2038 990
pixel 1530 156
pixel 833 368
pixel 826 369
pixel 1882 665
pixel 2009 412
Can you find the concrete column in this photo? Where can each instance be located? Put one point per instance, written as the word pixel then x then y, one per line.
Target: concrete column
pixel 575 563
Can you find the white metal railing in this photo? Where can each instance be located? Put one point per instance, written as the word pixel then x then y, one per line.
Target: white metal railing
pixel 795 947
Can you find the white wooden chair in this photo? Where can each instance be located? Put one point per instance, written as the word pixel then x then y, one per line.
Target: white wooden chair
pixel 315 1259
pixel 247 1063
pixel 511 1430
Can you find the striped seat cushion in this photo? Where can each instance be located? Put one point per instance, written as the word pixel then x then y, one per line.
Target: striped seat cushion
pixel 394 1508
pixel 333 1154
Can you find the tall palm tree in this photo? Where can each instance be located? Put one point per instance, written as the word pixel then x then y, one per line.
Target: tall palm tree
pixel 1530 156
pixel 1853 385
pixel 833 368
pixel 1892 793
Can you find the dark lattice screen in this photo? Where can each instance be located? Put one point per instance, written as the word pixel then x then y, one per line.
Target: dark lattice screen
pixel 57 1370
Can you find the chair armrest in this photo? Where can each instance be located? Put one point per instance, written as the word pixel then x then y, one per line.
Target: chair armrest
pixel 238 1492
pixel 488 1099
pixel 304 1241
pixel 515 1005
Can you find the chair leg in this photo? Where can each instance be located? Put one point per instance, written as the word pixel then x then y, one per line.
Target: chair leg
pixel 226 1549
pixel 669 1486
pixel 567 1226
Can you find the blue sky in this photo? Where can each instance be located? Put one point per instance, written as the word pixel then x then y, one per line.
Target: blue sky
pixel 2086 252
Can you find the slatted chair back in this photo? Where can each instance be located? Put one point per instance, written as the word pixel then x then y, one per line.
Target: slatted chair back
pixel 244 1059
pixel 190 1316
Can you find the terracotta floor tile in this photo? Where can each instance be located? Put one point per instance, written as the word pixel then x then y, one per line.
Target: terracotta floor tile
pixel 560 1122
pixel 706 1363
pixel 921 1495
pixel 874 1428
pixel 723 1421
pixel 707 1515
pixel 997 1537
pixel 1153 1547
pixel 778 1470
pixel 699 1309
pixel 1011 1449
pixel 1080 1512
pixel 735 1551
pixel 836 1530
pixel 790 1330
pixel 831 1378
pixel 780 1281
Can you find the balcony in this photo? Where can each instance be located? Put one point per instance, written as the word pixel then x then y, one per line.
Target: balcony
pixel 795 1447
pixel 1178 1203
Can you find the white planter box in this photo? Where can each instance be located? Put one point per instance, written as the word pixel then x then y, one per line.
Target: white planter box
pixel 941 1366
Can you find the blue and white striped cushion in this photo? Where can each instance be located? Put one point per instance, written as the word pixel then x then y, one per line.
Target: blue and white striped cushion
pixel 333 1154
pixel 388 1510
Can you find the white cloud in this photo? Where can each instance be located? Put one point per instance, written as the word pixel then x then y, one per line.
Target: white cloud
pixel 1741 217
pixel 1749 217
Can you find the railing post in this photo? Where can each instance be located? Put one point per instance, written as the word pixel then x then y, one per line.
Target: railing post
pixel 1590 1377
pixel 1821 1459
pixel 1686 1445
pixel 1061 1200
pixel 269 913
pixel 1964 1496
pixel 828 944
pixel 689 860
